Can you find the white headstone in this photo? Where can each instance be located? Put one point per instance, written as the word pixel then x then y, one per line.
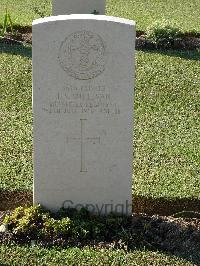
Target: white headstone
pixel 64 7
pixel 83 84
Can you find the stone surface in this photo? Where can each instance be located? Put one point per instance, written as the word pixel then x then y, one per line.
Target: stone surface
pixel 64 7
pixel 83 84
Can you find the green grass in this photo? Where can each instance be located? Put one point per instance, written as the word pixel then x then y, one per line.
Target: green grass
pixel 16 119
pixel 166 127
pixel 167 124
pixel 144 12
pixel 167 153
pixel 22 11
pixel 15 255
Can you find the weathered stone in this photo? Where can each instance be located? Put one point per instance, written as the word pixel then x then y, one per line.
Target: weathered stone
pixel 83 84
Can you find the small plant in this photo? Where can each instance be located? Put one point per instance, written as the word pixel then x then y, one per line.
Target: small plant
pixel 57 228
pixel 6 23
pixel 68 225
pixel 26 220
pixel 163 33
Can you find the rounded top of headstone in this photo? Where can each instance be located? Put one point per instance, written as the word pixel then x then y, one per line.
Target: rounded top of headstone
pixel 83 17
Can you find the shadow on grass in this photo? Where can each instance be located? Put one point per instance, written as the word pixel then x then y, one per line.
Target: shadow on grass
pixel 3 264
pixel 188 55
pixel 164 206
pixel 15 49
pixel 141 204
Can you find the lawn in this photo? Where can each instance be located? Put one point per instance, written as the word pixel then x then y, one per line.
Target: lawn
pixel 16 119
pixel 185 13
pixel 166 131
pixel 166 123
pixel 144 12
pixel 22 11
pixel 167 153
pixel 15 255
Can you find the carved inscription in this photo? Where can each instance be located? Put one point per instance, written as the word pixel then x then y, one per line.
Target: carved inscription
pixel 83 100
pixel 83 140
pixel 82 55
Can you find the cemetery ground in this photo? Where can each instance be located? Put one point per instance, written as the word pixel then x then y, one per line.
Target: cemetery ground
pixel 166 148
pixel 184 12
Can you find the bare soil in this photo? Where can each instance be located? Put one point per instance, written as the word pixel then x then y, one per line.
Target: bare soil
pixel 10 200
pixel 23 35
pixel 185 43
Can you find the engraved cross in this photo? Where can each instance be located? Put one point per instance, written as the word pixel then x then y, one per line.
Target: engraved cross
pixel 83 141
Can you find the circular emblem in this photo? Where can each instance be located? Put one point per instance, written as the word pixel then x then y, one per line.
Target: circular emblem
pixel 82 55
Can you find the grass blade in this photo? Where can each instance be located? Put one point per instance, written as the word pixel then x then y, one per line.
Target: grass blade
pixel 5 23
pixel 10 22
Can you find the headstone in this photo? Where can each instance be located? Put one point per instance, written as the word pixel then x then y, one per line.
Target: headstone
pixel 83 83
pixel 64 7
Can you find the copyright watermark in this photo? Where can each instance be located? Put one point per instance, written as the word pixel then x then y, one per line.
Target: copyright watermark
pixel 101 209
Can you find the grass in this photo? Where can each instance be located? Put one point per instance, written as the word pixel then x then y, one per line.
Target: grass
pixel 144 12
pixel 166 123
pixel 22 11
pixel 167 143
pixel 16 120
pixel 166 127
pixel 16 255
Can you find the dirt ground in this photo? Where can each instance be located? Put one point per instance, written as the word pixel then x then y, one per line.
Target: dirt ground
pixel 23 35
